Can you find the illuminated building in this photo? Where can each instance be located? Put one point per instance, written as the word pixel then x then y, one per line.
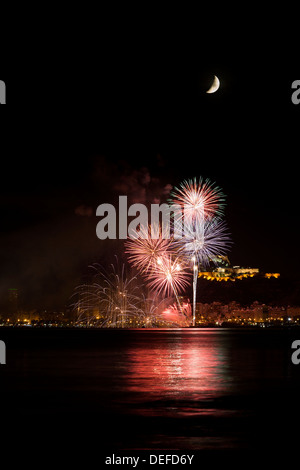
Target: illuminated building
pixel 223 271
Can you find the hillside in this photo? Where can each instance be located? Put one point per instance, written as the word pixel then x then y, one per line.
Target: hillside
pixel 273 292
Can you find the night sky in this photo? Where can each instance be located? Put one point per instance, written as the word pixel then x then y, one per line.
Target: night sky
pixel 131 116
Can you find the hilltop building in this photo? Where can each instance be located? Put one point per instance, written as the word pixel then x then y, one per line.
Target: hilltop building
pixel 221 270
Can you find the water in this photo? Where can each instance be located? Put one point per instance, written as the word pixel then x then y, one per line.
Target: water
pixel 196 389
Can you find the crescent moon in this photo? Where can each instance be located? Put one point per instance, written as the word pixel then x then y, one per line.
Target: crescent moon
pixel 215 85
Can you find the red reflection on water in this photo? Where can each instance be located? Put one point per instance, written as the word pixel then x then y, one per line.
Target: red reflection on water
pixel 179 364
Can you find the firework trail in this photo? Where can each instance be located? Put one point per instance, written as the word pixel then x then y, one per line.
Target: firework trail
pixel 202 243
pixel 120 297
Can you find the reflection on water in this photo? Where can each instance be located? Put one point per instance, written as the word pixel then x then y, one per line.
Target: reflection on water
pixel 175 388
pixel 181 367
pixel 154 389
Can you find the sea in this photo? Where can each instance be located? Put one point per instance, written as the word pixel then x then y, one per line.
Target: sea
pixel 90 393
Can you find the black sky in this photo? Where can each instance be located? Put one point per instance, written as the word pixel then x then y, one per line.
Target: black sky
pixel 95 122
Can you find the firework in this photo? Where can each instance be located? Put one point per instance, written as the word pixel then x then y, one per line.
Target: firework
pixel 168 274
pixel 199 201
pixel 113 299
pixel 202 243
pixel 110 300
pixel 179 317
pixel 153 309
pixel 156 257
pixel 204 236
pixel 148 245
